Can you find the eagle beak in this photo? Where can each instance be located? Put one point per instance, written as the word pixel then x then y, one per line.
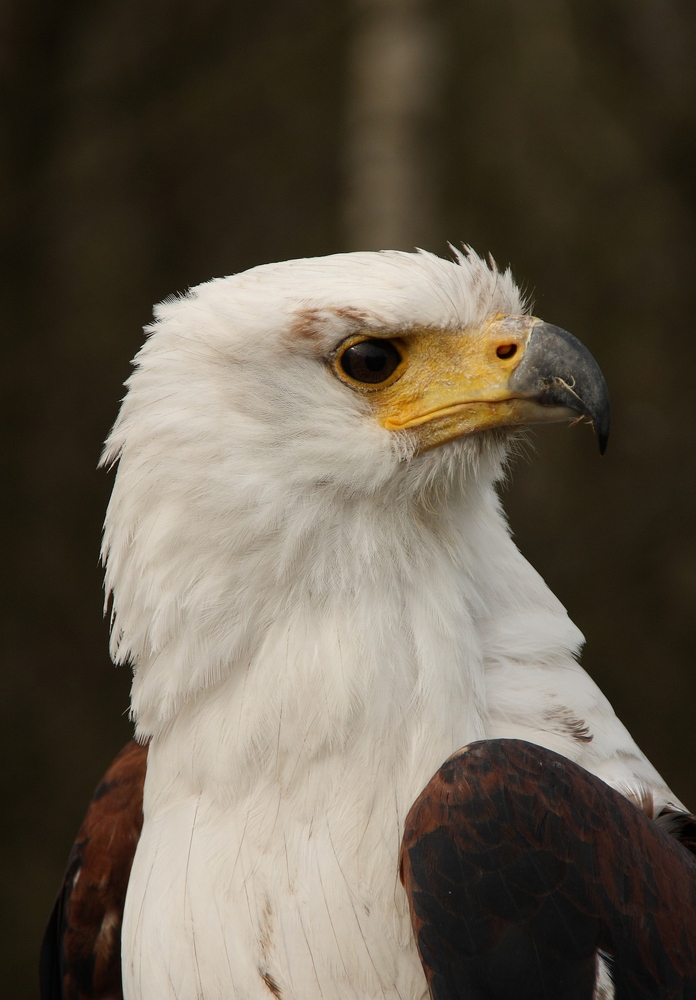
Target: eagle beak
pixel 557 370
pixel 516 371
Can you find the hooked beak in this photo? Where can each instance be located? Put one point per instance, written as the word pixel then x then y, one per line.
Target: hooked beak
pixel 514 371
pixel 558 370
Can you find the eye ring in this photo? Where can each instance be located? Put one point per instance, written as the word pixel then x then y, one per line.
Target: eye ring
pixel 369 363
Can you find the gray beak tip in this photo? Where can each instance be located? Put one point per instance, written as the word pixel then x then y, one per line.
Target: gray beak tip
pixel 558 370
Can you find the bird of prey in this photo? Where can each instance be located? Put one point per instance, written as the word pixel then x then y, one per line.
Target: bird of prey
pixel 311 576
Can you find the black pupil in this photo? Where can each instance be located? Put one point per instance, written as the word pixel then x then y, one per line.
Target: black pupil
pixel 371 361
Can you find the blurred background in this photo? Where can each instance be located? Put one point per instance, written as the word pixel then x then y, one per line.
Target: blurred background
pixel 148 145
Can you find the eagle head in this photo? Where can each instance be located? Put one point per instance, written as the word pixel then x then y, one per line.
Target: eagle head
pixel 307 424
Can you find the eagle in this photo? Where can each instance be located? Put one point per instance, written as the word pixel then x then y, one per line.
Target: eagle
pixel 367 762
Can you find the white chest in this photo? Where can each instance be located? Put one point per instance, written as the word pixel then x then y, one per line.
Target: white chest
pixel 275 804
pixel 293 892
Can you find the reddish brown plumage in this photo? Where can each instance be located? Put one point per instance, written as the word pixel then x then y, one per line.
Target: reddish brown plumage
pixel 81 953
pixel 519 866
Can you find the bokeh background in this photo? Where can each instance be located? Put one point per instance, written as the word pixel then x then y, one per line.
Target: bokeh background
pixel 148 145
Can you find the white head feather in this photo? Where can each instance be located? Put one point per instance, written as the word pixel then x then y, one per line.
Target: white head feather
pixel 247 471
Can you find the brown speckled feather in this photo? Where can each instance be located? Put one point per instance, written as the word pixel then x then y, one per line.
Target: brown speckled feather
pixel 81 952
pixel 521 866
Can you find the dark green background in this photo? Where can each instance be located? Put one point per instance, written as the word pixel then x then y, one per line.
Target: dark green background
pixel 148 145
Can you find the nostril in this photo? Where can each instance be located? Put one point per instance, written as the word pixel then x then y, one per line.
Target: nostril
pixel 506 351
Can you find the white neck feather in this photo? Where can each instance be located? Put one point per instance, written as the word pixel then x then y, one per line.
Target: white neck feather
pixel 345 627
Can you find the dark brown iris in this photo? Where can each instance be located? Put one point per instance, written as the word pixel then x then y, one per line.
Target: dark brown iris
pixel 370 361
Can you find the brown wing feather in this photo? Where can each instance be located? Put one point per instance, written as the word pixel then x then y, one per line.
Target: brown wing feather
pixel 521 866
pixel 81 952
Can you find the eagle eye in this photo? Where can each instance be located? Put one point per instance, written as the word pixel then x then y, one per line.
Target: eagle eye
pixel 370 361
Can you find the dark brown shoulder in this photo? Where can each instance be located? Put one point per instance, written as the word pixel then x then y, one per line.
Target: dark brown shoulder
pixel 81 952
pixel 521 867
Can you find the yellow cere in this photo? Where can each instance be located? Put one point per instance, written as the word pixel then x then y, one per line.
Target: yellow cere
pixel 455 383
